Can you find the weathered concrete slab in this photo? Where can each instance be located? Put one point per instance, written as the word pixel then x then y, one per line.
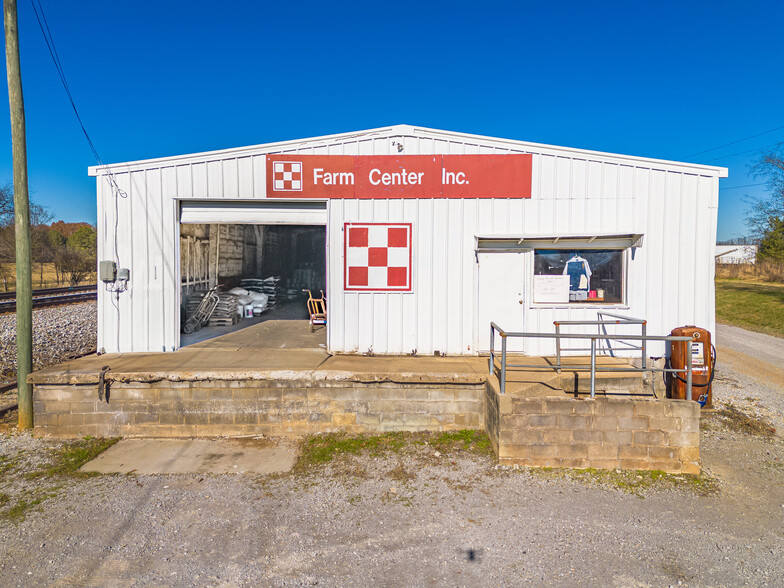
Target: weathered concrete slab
pixel 403 369
pixel 192 363
pixel 266 334
pixel 195 456
pixel 207 363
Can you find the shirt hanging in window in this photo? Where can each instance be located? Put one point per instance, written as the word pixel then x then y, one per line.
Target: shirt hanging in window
pixel 579 273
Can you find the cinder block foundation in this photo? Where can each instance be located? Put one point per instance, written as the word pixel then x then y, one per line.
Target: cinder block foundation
pixel 625 432
pixel 604 433
pixel 273 407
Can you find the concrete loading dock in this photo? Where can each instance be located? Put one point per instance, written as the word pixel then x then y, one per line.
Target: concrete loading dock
pixel 235 386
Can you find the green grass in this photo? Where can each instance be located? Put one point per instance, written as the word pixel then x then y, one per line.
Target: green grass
pixel 7 465
pixel 18 511
pixel 753 306
pixel 67 460
pixel 321 449
pixel 465 440
pixel 635 482
pixel 318 450
pixel 64 463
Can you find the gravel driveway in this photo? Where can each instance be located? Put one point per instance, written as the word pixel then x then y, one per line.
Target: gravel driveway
pixel 764 347
pixel 415 517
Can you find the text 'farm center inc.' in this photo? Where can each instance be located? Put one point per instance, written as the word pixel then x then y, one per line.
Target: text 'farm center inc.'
pixel 377 177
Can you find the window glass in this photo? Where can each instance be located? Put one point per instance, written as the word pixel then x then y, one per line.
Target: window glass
pixel 594 275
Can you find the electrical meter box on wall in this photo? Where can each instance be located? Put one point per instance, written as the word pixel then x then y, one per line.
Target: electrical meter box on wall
pixel 107 271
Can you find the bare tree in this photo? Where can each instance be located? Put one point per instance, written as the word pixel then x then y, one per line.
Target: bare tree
pixel 39 214
pixel 6 204
pixel 40 217
pixel 75 263
pixel 764 211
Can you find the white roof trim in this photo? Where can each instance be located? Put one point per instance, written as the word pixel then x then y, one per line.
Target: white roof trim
pixel 248 151
pixel 544 148
pixel 403 130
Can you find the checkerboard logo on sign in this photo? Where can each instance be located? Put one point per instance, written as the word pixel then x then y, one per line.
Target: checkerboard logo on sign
pixel 378 257
pixel 287 176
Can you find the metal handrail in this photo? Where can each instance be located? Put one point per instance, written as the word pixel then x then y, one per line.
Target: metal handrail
pixel 601 325
pixel 581 368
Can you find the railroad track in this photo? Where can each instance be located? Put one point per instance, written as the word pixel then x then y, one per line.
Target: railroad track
pixel 51 291
pixel 7 401
pixel 51 297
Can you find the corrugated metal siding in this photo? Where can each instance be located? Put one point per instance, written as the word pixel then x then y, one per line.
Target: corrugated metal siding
pixel 670 279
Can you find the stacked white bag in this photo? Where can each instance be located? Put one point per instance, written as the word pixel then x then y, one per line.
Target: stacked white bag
pixel 256 300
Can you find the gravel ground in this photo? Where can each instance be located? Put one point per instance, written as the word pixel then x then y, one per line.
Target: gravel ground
pixel 769 349
pixel 59 333
pixel 752 372
pixel 414 518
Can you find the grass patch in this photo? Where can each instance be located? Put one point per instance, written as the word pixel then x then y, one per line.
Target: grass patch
pixel 67 460
pixel 465 440
pixel 7 464
pixel 18 511
pixel 64 462
pixel 754 306
pixel 321 449
pixel 400 474
pixel 318 450
pixel 23 506
pixel 635 482
pixel 43 275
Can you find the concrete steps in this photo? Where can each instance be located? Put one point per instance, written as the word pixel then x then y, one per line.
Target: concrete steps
pixel 544 381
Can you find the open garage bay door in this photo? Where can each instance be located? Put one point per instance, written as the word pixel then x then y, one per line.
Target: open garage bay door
pixel 260 212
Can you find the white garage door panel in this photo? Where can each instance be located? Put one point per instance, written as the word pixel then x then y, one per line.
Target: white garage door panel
pixel 254 213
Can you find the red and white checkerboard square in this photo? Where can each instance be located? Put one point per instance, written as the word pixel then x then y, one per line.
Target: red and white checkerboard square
pixel 287 176
pixel 378 257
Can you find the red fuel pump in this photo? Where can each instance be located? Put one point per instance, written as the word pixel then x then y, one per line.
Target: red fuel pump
pixel 703 358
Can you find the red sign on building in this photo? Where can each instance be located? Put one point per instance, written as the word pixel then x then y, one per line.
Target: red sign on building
pixel 399 176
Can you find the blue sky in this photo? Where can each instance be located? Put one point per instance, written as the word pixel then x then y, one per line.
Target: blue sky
pixel 150 79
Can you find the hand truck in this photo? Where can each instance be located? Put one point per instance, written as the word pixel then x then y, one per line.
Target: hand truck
pixel 317 309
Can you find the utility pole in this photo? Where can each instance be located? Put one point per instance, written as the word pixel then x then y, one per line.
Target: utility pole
pixel 24 278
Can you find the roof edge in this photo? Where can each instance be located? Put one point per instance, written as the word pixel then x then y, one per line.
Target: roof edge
pixel 95 170
pixel 394 130
pixel 589 152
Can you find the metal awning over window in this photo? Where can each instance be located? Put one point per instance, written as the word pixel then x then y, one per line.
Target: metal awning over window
pixel 527 243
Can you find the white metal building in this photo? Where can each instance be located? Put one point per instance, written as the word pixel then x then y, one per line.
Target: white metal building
pixel 465 256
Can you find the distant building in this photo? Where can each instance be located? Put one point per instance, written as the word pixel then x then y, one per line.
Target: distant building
pixel 736 253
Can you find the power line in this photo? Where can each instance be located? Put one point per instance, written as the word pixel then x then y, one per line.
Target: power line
pixel 44 26
pixel 744 186
pixel 732 143
pixel 49 39
pixel 743 152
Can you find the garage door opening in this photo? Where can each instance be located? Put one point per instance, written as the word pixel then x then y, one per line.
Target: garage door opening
pixel 242 284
